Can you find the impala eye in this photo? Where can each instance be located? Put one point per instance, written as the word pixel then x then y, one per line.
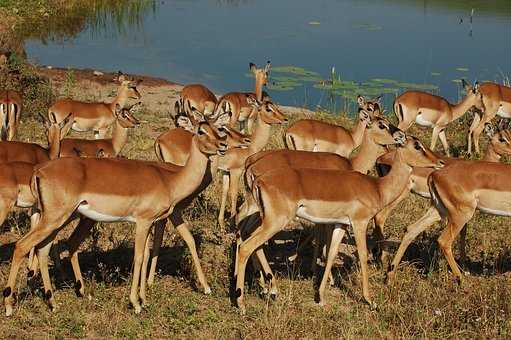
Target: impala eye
pixel 502 140
pixel 418 146
pixel 382 126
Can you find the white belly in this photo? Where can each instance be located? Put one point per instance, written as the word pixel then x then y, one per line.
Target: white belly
pixel 22 204
pixel 77 128
pixel 423 121
pixel 502 113
pixel 494 211
pixel 302 213
pixel 86 211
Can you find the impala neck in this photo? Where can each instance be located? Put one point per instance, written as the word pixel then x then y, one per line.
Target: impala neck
pixel 392 185
pixel 357 134
pixel 121 98
pixel 190 177
pixel 367 154
pixel 260 136
pixel 491 155
pixel 461 108
pixel 119 137
pixel 259 91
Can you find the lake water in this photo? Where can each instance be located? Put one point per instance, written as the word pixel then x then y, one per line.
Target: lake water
pixel 383 46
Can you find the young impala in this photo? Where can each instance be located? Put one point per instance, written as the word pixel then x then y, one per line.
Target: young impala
pixel 241 104
pixel 433 111
pixel 110 147
pixel 11 104
pixel 111 197
pixel 496 101
pixel 325 197
pixel 314 135
pixel 97 117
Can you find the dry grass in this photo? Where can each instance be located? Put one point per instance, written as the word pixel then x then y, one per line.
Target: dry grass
pixel 423 302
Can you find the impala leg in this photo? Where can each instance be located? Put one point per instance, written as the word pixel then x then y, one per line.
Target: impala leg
pixel 475 123
pixel 337 235
pixel 486 118
pixel 143 271
pixel 33 263
pixel 360 231
pixel 190 242
pixel 42 255
pixel 233 190
pixel 246 248
pixel 34 237
pixel 81 232
pixel 454 226
pixel 379 225
pixel 268 274
pixel 443 140
pixel 100 134
pixel 429 218
pixel 141 234
pixel 301 246
pixel 159 229
pixel 434 137
pixel 225 189
pixel 463 245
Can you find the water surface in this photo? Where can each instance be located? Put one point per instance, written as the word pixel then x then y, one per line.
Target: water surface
pixel 375 46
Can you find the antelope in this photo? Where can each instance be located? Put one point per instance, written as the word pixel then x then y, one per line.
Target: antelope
pixel 241 104
pixel 34 153
pixel 379 134
pixel 329 196
pixel 500 144
pixel 111 197
pixel 197 96
pixel 111 147
pixel 11 104
pixel 232 164
pixel 436 112
pixel 496 101
pixel 97 117
pixel 314 135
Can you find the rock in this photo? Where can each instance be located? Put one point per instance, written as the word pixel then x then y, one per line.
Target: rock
pixel 98 73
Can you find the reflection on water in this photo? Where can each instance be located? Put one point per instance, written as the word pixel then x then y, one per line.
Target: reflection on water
pixel 379 47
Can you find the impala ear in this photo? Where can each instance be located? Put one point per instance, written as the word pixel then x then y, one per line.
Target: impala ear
pixel 466 85
pixel 101 154
pixel 222 119
pixel 360 100
pixel 489 130
pixel 252 67
pixel 118 109
pixel 46 123
pixel 120 77
pixel 378 99
pixel 476 87
pixel 502 125
pixel 185 123
pixel 267 67
pixel 253 101
pixel 363 115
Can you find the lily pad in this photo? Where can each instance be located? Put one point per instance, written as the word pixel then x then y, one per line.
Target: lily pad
pixel 314 23
pixel 462 69
pixel 436 74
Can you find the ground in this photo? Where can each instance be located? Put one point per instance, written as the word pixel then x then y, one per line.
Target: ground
pixel 423 301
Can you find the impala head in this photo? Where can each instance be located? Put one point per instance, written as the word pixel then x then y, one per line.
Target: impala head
pixel 373 106
pixel 382 132
pixel 128 86
pixel 233 137
pixel 209 141
pixel 473 94
pixel 261 74
pixel 268 112
pixel 500 137
pixel 414 153
pixel 125 117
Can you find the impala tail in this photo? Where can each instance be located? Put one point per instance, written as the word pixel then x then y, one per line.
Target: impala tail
pixel 290 141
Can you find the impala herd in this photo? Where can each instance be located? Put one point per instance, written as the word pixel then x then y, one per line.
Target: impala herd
pixel 317 178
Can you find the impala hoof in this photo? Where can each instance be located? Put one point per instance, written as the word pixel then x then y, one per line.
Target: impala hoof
pixel 8 310
pixel 207 290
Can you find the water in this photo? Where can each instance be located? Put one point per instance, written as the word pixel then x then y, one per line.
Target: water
pixel 423 44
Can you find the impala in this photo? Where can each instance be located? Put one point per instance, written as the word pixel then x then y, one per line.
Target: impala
pixel 11 104
pixel 496 101
pixel 314 135
pixel 111 197
pixel 379 134
pixel 500 144
pixel 233 163
pixel 110 147
pixel 241 104
pixel 97 117
pixel 325 197
pixel 436 112
pixel 196 96
pixel 34 153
